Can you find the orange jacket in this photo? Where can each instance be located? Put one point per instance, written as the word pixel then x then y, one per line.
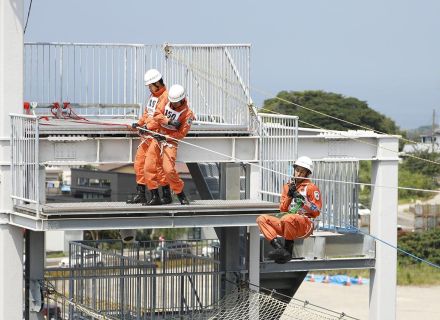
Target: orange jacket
pixel 183 114
pixel 311 194
pixel 156 100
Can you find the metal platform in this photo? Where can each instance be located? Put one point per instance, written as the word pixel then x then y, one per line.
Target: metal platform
pixel 119 215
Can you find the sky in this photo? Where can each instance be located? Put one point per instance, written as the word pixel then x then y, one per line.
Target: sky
pixel 384 52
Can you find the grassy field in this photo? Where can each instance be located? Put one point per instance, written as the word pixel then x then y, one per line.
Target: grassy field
pixel 55 254
pixel 417 274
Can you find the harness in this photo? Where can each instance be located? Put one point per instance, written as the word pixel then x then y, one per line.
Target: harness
pixel 296 209
pixel 172 115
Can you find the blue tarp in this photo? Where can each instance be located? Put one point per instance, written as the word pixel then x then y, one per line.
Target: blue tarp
pixel 337 279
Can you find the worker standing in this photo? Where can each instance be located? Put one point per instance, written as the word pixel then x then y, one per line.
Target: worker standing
pixel 174 120
pixel 158 97
pixel 296 223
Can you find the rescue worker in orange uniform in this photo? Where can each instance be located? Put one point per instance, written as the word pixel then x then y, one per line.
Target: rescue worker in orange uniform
pixel 296 221
pixel 174 120
pixel 158 98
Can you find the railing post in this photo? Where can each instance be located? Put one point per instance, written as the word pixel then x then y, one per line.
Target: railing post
pixel 71 282
pixel 37 168
pixel 182 294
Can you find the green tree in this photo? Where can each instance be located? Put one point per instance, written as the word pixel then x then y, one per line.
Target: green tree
pixel 427 168
pixel 425 245
pixel 334 104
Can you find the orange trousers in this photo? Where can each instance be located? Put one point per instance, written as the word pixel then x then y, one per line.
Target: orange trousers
pixel 289 226
pixel 139 160
pixel 160 167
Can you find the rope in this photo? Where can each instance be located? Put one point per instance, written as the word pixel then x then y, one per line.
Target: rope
pixel 316 179
pixel 283 174
pixel 83 120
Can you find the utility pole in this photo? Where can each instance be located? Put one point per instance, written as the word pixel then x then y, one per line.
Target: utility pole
pixel 433 130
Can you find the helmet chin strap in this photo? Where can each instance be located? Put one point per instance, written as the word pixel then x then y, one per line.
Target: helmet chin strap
pixel 299 179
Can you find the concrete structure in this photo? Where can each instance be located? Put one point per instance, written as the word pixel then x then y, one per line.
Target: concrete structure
pixel 11 100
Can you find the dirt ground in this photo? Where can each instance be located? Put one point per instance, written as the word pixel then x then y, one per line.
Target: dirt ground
pixel 412 302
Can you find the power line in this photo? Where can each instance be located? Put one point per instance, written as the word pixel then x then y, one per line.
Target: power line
pixel 356 139
pixel 281 173
pixel 328 180
pixel 268 169
pixel 312 110
pixel 269 95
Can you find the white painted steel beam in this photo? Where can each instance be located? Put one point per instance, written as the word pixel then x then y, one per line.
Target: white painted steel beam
pixel 157 222
pixel 383 224
pixel 11 272
pixel 254 258
pixel 11 100
pixel 108 149
pixel 359 147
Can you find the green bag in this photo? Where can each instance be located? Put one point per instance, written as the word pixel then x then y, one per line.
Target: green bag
pixel 298 204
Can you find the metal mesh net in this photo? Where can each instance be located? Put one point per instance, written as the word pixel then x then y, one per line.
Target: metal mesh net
pixel 248 304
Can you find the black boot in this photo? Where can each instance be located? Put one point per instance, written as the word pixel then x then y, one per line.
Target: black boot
pixel 140 195
pixel 166 195
pixel 155 198
pixel 288 245
pixel 280 255
pixel 182 198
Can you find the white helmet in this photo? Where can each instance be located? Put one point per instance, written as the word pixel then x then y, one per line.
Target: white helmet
pixel 152 76
pixel 304 162
pixel 176 93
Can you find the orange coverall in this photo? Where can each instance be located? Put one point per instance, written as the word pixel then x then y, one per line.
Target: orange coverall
pixel 293 226
pixel 162 155
pixel 156 99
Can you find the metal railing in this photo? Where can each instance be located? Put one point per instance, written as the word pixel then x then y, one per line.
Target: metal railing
pixel 216 77
pixel 121 283
pixel 278 150
pixel 25 160
pixel 87 73
pixel 339 195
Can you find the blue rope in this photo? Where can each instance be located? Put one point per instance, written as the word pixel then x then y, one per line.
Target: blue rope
pixel 397 248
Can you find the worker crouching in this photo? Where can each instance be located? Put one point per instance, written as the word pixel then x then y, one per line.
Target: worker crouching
pixel 300 205
pixel 174 120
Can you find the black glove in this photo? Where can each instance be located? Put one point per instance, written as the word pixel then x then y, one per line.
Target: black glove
pixel 174 123
pixel 134 125
pixel 159 137
pixel 293 193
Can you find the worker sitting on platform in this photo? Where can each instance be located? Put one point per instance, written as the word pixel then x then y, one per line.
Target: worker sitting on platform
pixel 158 97
pixel 174 120
pixel 296 223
